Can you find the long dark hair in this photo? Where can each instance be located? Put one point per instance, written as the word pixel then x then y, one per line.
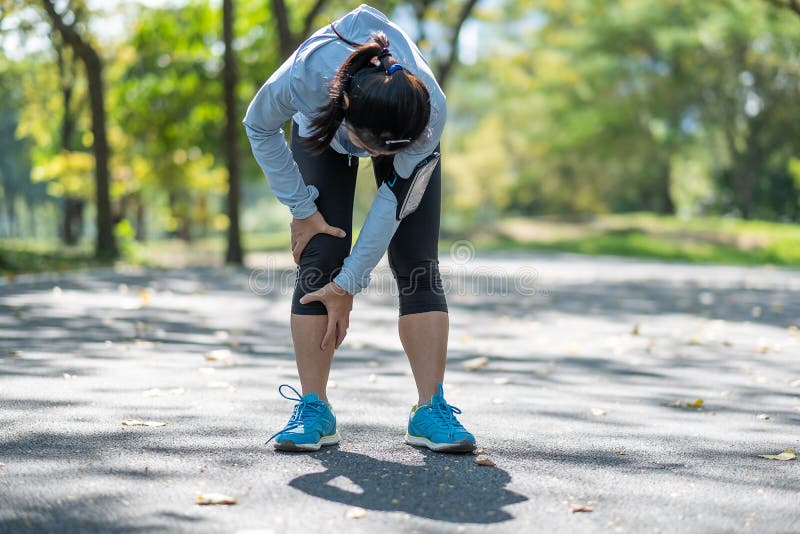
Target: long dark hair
pixel 385 104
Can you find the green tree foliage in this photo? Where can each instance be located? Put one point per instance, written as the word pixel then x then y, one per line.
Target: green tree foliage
pixel 168 110
pixel 607 105
pixel 15 153
pixel 571 107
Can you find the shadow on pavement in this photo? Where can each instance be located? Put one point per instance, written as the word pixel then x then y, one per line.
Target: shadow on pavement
pixel 464 493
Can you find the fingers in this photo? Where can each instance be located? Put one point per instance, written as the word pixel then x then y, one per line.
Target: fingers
pixel 297 249
pixel 330 332
pixel 341 332
pixel 311 297
pixel 334 231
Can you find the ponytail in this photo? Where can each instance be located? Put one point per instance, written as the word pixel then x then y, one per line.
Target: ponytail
pixel 388 106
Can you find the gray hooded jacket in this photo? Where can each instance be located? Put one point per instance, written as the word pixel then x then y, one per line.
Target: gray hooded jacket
pixel 297 89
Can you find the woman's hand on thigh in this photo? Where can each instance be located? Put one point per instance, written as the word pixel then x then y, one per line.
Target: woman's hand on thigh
pixel 338 302
pixel 304 229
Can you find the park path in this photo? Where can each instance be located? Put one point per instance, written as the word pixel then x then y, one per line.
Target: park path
pixel 588 395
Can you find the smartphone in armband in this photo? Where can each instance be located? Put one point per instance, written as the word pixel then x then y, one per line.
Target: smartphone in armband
pixel 411 191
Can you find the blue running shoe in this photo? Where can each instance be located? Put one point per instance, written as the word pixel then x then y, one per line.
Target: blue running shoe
pixel 311 426
pixel 435 426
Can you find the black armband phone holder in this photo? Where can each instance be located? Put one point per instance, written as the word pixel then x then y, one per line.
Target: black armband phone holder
pixel 409 191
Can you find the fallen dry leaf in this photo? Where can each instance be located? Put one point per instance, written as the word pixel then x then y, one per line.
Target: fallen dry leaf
pixel 635 330
pixel 355 512
pixel 577 508
pixel 485 462
pixel 144 296
pixel 788 454
pixel 214 498
pixel 762 416
pixel 679 404
pixel 217 355
pixel 503 380
pixel 136 422
pixel 476 363
pixel 598 412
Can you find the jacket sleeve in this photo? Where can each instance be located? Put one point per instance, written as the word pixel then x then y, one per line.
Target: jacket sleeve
pixel 266 114
pixel 379 227
pixel 381 222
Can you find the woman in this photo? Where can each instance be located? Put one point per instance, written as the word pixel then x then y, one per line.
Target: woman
pixel 358 88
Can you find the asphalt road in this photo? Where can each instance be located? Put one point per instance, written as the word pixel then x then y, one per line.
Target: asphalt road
pixel 591 365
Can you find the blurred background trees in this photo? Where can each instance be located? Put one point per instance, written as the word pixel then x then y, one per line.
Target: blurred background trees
pixel 122 119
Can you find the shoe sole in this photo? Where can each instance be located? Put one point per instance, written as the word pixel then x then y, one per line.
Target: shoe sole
pixel 289 445
pixel 464 445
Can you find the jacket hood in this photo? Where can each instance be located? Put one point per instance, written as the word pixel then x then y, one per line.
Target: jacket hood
pixel 318 59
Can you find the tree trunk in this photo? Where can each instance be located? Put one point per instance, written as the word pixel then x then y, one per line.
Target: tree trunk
pixel 663 200
pixel 287 39
pixel 73 223
pixel 138 219
pixel 232 127
pixel 73 206
pixel 106 246
pixel 446 66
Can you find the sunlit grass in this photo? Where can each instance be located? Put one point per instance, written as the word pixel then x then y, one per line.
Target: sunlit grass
pixel 705 240
pixel 700 240
pixel 18 256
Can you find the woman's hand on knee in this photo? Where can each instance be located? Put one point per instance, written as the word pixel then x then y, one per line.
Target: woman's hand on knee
pixel 304 229
pixel 338 302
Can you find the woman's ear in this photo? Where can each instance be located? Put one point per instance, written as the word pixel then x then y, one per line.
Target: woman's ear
pixel 346 101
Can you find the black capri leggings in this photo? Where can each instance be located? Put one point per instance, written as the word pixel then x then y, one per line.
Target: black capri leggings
pixel 413 251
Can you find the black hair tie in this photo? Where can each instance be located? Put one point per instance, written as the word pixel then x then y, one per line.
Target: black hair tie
pixel 384 53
